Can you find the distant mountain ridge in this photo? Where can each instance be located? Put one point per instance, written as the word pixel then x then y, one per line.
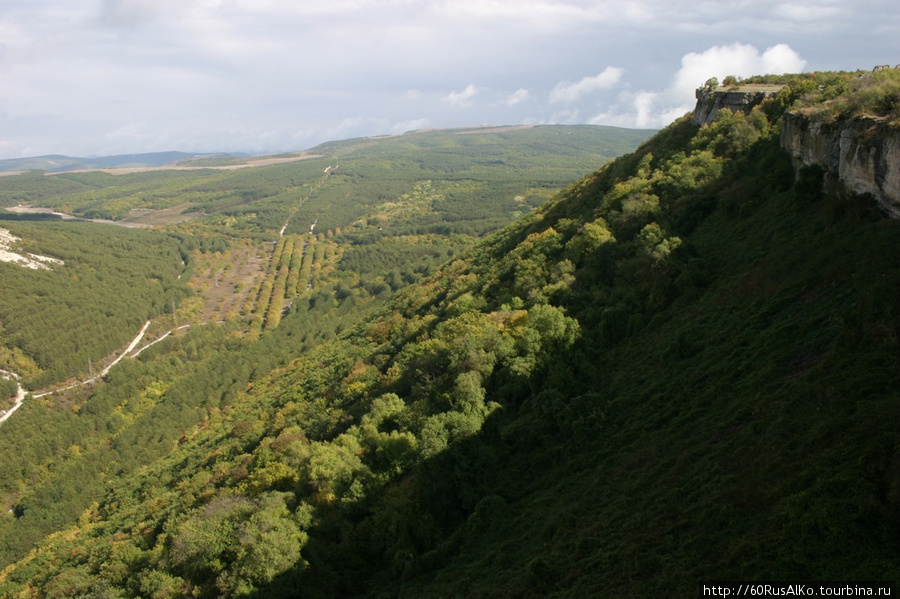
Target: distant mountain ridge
pixel 58 163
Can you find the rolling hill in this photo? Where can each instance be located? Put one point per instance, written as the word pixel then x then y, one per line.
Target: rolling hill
pixel 58 163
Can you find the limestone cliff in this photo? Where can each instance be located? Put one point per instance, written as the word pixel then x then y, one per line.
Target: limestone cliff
pixel 738 99
pixel 862 153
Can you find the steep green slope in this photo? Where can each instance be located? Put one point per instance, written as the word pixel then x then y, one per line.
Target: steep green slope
pixel 231 295
pixel 748 430
pixel 682 368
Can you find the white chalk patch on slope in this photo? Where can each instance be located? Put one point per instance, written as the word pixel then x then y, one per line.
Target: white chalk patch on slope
pixel 8 240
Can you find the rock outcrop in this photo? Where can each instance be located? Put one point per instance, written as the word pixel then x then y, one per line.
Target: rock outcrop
pixel 739 99
pixel 862 153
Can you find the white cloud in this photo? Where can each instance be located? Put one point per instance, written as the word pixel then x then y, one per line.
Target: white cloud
pixel 741 60
pixel 657 108
pixel 571 92
pixel 364 126
pixel 346 128
pixel 643 106
pixel 781 59
pixel 564 117
pixel 806 12
pixel 517 97
pixel 117 76
pixel 462 98
pixel 411 125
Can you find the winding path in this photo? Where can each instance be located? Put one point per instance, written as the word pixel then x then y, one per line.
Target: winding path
pixel 22 393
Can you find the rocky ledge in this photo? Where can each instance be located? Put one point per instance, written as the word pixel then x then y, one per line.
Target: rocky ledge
pixel 862 153
pixel 736 99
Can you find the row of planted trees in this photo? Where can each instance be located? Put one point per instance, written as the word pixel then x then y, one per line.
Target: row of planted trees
pixel 295 267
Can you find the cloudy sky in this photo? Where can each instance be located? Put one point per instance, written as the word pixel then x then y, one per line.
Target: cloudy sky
pixel 98 77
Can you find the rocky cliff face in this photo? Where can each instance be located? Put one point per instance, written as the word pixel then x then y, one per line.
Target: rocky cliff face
pixel 863 154
pixel 739 99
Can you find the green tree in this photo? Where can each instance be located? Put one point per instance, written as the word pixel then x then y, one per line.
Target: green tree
pixel 711 85
pixel 236 544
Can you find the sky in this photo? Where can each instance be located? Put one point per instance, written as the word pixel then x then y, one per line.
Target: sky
pixel 102 77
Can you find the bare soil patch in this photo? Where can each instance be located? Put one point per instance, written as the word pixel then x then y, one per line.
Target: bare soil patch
pixel 8 242
pixel 489 129
pixel 157 218
pixel 247 163
pixel 228 282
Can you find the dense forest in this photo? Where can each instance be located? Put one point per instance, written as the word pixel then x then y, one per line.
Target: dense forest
pixel 682 367
pixel 54 322
pixel 229 293
pixel 58 164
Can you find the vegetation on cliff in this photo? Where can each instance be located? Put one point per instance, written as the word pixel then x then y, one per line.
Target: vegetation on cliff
pixel 833 96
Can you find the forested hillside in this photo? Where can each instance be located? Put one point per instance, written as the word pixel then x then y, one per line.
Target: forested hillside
pixel 235 273
pixel 59 164
pixel 683 367
pixel 53 321
pixel 397 207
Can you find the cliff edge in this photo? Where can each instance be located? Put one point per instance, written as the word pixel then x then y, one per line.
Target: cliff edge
pixel 862 153
pixel 740 98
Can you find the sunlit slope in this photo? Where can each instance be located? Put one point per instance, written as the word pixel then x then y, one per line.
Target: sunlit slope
pixel 59 163
pixel 242 271
pixel 102 284
pixel 468 180
pixel 393 202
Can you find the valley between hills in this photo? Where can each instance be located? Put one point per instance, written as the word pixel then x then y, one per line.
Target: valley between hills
pixel 550 361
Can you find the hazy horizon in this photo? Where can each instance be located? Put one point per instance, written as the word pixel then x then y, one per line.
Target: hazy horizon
pixel 255 155
pixel 106 77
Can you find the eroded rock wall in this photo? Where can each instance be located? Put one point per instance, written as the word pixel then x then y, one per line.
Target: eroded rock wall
pixel 741 99
pixel 862 153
